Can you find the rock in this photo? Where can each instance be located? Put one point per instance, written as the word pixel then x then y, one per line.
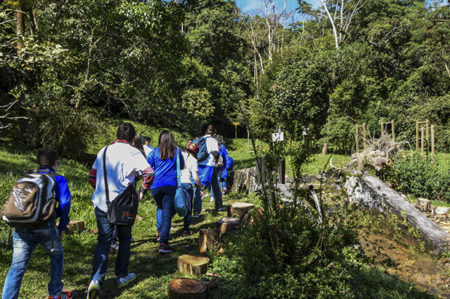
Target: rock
pixel 423 205
pixel 367 192
pixel 441 210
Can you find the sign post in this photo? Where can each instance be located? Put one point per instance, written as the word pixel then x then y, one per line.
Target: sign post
pixel 278 136
pixel 236 124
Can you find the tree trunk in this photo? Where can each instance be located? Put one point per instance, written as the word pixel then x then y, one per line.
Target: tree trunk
pixel 226 224
pixel 325 148
pixel 185 288
pixel 192 265
pixel 207 237
pixel 20 28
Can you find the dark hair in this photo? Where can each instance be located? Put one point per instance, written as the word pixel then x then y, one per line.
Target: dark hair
pixel 166 145
pixel 137 143
pixel 126 132
pixel 210 130
pixel 47 157
pixel 148 139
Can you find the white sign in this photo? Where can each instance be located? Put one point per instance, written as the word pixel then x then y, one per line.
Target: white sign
pixel 278 136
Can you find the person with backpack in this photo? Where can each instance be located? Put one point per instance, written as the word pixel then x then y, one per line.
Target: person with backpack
pixel 221 167
pixel 208 157
pixel 189 174
pixel 163 160
pixel 51 191
pixel 112 174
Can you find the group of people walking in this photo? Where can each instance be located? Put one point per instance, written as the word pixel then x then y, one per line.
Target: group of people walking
pixel 118 165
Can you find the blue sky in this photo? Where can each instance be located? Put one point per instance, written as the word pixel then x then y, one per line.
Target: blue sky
pixel 257 6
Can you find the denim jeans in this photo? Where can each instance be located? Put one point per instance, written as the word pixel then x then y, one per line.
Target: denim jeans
pixel 215 189
pixel 164 197
pixel 222 185
pixel 187 218
pixel 104 239
pixel 24 242
pixel 197 205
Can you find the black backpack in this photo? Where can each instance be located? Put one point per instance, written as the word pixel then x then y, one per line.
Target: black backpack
pixel 123 209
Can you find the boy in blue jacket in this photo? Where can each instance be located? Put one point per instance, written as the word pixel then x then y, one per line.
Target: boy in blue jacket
pixel 49 236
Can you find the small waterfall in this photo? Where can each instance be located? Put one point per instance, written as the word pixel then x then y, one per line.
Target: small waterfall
pixel 316 203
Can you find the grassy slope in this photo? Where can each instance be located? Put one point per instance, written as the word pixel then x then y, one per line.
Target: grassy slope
pixel 154 271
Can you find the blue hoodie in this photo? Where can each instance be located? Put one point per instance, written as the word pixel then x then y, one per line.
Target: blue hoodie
pixel 63 196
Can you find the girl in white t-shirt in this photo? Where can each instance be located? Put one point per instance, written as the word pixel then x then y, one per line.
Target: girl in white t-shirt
pixel 189 173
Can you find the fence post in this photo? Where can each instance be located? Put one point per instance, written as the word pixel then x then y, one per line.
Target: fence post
pixel 422 133
pixel 417 135
pixel 364 135
pixel 393 132
pixel 432 141
pixel 356 138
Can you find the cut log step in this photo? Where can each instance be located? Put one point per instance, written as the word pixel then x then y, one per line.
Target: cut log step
pixel 207 237
pixel 241 208
pixel 185 288
pixel 75 226
pixel 227 224
pixel 192 264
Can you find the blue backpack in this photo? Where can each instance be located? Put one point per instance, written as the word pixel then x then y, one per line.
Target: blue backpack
pixel 202 150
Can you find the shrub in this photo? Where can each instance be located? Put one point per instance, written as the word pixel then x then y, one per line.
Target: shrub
pixel 420 177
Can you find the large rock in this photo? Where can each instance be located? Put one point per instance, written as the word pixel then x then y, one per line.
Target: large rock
pixel 371 193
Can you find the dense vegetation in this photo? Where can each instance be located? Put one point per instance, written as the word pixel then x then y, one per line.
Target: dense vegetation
pixel 72 70
pixel 318 260
pixel 182 64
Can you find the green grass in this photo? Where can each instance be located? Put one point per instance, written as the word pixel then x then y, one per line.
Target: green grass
pixel 154 271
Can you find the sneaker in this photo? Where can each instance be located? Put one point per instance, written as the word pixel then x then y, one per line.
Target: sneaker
pixel 212 199
pixel 159 237
pixel 63 295
pixel 123 281
pixel 186 233
pixel 94 290
pixel 196 215
pixel 222 209
pixel 164 248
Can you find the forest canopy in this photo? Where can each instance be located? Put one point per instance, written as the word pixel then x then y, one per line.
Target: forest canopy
pixel 66 65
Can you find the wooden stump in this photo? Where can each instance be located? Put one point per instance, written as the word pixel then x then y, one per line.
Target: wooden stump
pixel 423 205
pixel 192 265
pixel 185 288
pixel 76 226
pixel 226 224
pixel 241 208
pixel 207 237
pixel 258 215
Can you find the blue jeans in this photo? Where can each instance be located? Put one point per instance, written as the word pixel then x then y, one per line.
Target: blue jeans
pixel 187 218
pixel 164 197
pixel 24 242
pixel 222 185
pixel 104 240
pixel 197 205
pixel 215 189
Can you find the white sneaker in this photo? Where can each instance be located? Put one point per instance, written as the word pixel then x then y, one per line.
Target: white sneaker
pixel 123 281
pixel 212 199
pixel 93 290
